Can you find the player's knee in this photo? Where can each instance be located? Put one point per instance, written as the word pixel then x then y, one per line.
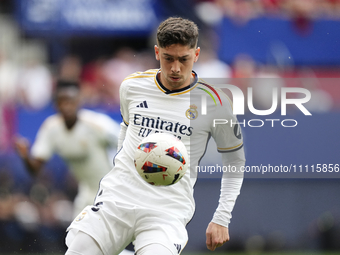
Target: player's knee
pixel 83 244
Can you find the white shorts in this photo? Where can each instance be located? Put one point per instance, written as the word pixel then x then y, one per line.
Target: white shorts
pixel 114 225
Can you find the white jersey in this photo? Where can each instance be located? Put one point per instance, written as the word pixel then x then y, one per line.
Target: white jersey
pixel 148 107
pixel 84 148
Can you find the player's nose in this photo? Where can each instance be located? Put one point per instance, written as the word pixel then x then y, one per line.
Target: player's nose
pixel 175 68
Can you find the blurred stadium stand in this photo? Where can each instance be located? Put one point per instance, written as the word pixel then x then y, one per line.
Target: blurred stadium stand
pixel 79 38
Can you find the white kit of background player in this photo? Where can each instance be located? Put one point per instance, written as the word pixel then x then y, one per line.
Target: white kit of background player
pixel 84 139
pixel 85 148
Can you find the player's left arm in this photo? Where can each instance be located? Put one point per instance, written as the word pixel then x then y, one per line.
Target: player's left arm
pixel 229 142
pixel 217 232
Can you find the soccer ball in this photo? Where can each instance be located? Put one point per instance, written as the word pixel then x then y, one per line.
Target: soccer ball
pixel 161 159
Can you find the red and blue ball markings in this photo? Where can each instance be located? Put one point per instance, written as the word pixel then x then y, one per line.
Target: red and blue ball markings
pixel 176 154
pixel 147 147
pixel 150 167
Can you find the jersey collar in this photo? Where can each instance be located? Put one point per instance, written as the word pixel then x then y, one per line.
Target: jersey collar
pixel 176 91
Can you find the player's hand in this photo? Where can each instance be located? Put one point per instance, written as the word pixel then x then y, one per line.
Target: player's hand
pixel 216 235
pixel 22 145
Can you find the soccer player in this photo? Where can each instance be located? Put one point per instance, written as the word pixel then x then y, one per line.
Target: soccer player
pixel 83 138
pixel 162 100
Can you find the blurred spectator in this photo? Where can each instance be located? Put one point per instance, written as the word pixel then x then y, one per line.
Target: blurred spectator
pixel 312 9
pixel 240 11
pixel 32 223
pixel 301 12
pixel 244 67
pixel 331 8
pixel 115 70
pixel 101 79
pixel 272 7
pixel 209 66
pixel 35 84
pixel 247 73
pixel 92 82
pixel 209 12
pixel 8 100
pixel 321 101
pixel 146 59
pixel 267 78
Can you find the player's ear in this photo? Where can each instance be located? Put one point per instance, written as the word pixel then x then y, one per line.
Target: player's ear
pixel 157 52
pixel 197 53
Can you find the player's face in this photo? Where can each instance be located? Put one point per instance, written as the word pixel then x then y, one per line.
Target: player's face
pixel 67 102
pixel 176 63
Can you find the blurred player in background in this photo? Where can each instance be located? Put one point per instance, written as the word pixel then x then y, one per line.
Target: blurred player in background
pixel 83 138
pixel 127 208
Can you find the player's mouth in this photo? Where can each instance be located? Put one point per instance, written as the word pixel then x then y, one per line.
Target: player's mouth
pixel 175 78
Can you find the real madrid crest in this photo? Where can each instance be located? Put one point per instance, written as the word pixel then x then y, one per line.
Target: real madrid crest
pixel 192 112
pixel 81 216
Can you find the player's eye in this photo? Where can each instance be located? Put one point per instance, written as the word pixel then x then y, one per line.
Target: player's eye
pixel 168 59
pixel 183 60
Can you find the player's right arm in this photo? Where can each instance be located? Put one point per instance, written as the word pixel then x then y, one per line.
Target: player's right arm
pixel 33 165
pixel 42 149
pixel 124 110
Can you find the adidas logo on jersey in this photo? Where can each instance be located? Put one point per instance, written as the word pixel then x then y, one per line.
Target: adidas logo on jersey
pixel 143 105
pixel 178 247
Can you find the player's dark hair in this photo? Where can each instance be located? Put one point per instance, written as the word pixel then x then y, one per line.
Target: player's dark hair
pixel 64 84
pixel 176 30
